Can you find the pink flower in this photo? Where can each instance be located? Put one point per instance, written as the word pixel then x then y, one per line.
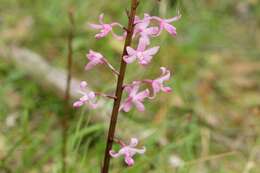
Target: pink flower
pixel 165 24
pixel 106 28
pixel 134 97
pixel 128 151
pixel 142 28
pixel 94 58
pixel 157 84
pixel 143 56
pixel 87 97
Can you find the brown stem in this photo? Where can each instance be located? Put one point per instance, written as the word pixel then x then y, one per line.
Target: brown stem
pixel 119 88
pixel 67 92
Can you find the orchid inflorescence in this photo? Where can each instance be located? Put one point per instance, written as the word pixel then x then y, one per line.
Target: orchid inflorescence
pixel 143 54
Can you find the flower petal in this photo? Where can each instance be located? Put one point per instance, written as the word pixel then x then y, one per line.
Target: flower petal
pixel 145 39
pixel 156 86
pixel 127 105
pixel 91 64
pixel 92 55
pixel 139 105
pixel 169 28
pixel 152 51
pixel 140 151
pixel 93 105
pixel 129 161
pixel 101 17
pixel 95 26
pixel 175 18
pixel 142 95
pixel 83 85
pixel 166 74
pixel 145 60
pixel 114 154
pixel 129 59
pixel 130 51
pixel 166 89
pixel 152 31
pixel 77 104
pixel 91 95
pixel 133 142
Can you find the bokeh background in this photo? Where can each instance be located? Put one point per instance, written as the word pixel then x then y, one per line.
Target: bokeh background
pixel 210 123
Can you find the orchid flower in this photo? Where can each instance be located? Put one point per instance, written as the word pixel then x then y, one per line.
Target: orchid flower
pixel 165 24
pixel 157 84
pixel 106 28
pixel 128 151
pixel 142 28
pixel 87 97
pixel 134 97
pixel 143 56
pixel 94 58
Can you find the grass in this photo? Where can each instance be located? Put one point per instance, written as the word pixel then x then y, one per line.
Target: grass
pixel 210 121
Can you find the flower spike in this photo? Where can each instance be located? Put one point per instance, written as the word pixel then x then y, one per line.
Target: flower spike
pixel 140 31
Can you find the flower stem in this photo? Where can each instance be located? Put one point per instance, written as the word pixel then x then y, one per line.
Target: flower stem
pixel 105 95
pixel 64 121
pixel 111 68
pixel 119 88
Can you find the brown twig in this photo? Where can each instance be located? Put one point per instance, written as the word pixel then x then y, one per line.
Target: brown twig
pixel 119 88
pixel 67 91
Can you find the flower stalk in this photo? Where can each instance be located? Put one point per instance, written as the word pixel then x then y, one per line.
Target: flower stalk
pixel 119 88
pixel 64 121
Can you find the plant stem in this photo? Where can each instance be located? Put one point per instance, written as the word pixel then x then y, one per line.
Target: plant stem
pixel 67 92
pixel 119 88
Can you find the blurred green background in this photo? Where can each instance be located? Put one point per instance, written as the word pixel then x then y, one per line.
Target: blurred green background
pixel 210 123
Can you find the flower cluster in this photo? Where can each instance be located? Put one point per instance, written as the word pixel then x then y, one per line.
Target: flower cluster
pixel 144 29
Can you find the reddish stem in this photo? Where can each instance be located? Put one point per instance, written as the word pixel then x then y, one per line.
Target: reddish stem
pixel 119 88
